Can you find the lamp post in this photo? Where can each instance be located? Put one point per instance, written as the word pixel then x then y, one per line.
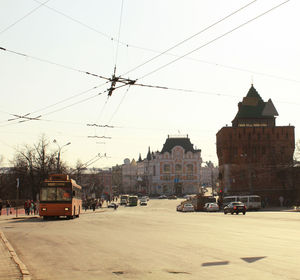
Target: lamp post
pixel 58 154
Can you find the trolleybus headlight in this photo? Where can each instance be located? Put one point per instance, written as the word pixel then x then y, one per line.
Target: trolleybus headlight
pixel 44 209
pixel 66 209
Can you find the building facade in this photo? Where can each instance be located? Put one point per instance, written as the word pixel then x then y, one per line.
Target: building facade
pixel 129 176
pixel 256 156
pixel 175 169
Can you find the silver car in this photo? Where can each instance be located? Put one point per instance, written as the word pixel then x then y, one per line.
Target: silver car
pixel 188 207
pixel 211 207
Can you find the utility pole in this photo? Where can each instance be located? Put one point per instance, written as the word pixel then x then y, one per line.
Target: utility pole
pixel 58 154
pixel 17 199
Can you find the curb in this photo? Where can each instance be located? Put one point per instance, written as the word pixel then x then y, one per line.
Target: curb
pixel 21 265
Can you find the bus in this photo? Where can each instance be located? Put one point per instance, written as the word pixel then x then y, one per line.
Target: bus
pixel 252 202
pixel 132 200
pixel 124 199
pixel 60 196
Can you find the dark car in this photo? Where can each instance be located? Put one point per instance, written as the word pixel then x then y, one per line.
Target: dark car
pixel 235 207
pixel 172 197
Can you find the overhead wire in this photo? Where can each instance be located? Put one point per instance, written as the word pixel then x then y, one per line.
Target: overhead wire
pixel 191 37
pixel 214 40
pixel 54 63
pixel 111 38
pixel 23 17
pixel 119 33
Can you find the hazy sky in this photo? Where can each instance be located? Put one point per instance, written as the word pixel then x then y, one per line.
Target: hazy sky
pixel 83 35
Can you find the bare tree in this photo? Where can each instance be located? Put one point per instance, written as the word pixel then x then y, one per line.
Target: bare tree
pixel 32 165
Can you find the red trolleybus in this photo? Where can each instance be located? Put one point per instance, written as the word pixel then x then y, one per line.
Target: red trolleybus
pixel 60 196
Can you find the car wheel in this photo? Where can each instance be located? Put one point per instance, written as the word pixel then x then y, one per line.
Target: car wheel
pixel 225 213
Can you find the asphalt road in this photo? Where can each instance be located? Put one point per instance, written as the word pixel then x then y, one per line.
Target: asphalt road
pixel 156 242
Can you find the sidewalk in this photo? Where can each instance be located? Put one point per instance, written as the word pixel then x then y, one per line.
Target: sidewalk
pixel 8 268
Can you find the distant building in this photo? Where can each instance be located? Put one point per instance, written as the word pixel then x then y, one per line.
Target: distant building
pixel 256 156
pixel 209 176
pixel 173 170
pixel 129 176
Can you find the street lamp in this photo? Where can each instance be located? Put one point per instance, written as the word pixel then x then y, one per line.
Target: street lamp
pixel 58 154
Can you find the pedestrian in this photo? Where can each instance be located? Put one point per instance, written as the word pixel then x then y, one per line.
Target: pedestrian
pixel 94 206
pixel 26 207
pixel 115 206
pixel 34 208
pixel 1 205
pixel 31 207
pixel 8 210
pixel 281 199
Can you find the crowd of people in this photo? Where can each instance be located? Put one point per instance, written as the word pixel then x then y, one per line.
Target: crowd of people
pixel 31 207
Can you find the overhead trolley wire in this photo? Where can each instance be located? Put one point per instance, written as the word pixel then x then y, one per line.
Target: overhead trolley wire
pixel 214 40
pixel 119 33
pixel 54 63
pixel 23 17
pixel 160 52
pixel 191 37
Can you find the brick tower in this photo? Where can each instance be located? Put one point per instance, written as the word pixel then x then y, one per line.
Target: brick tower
pixel 255 156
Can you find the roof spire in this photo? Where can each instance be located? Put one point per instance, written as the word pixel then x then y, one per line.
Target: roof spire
pixel 149 154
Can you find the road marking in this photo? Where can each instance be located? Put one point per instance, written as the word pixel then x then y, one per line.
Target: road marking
pixel 252 259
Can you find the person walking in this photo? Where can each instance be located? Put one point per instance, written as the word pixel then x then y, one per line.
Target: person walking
pixel 281 200
pixel 1 205
pixel 31 207
pixel 8 211
pixel 26 207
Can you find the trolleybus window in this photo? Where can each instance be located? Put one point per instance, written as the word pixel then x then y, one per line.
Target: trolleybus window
pixel 56 194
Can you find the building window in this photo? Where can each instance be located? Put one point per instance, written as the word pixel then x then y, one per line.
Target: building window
pixel 167 168
pixel 189 171
pixel 178 168
pixel 166 177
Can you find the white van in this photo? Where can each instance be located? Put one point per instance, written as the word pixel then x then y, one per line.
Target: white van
pixel 252 202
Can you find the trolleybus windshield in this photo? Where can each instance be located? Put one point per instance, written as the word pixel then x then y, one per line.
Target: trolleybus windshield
pixel 56 192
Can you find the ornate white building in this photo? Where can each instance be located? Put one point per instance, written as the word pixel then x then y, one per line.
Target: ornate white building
pixel 174 170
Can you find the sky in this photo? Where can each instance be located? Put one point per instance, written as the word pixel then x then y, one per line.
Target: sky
pixel 204 54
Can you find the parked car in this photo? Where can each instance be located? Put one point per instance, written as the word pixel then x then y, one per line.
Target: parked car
pixel 211 207
pixel 112 205
pixel 235 207
pixel 172 197
pixel 188 207
pixel 143 201
pixel 162 196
